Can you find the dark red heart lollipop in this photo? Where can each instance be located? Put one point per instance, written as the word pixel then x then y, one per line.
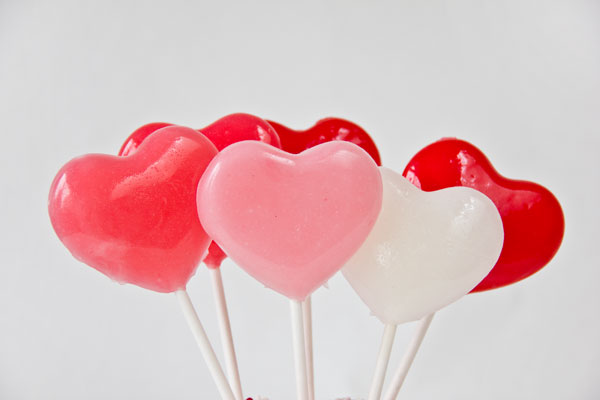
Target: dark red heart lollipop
pixel 223 132
pixel 325 130
pixel 134 218
pixel 532 217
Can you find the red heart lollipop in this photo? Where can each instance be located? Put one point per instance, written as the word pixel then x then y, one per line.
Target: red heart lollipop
pixel 223 132
pixel 532 217
pixel 134 218
pixel 326 130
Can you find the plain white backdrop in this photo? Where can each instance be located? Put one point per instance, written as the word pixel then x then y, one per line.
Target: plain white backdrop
pixel 520 79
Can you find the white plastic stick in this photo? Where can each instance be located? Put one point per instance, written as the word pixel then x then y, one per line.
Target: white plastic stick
pixel 387 341
pixel 225 329
pixel 205 347
pixel 299 349
pixel 307 318
pixel 408 358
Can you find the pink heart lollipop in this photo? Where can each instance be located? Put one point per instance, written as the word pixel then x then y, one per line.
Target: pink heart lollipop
pixel 223 132
pixel 134 218
pixel 291 221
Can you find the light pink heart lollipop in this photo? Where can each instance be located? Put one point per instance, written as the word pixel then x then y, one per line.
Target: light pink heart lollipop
pixel 290 220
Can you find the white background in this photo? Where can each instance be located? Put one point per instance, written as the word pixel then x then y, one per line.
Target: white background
pixel 520 79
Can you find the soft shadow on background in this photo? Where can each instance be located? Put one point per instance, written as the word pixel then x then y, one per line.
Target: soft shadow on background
pixel 520 79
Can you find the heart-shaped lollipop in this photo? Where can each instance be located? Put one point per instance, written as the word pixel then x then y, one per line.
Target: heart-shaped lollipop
pixel 326 130
pixel 134 218
pixel 291 221
pixel 230 129
pixel 425 251
pixel 532 217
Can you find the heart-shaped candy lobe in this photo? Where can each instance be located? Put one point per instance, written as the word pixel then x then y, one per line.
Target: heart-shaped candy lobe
pixel 425 251
pixel 137 137
pixel 238 127
pixel 291 221
pixel 134 218
pixel 230 129
pixel 532 217
pixel 326 130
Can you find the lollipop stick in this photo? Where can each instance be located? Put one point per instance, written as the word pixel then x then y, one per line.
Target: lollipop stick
pixel 207 351
pixel 307 318
pixel 225 329
pixel 408 358
pixel 383 359
pixel 299 349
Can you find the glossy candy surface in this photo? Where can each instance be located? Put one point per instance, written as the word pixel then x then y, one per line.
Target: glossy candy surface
pixel 291 221
pixel 532 217
pixel 230 129
pixel 326 130
pixel 134 218
pixel 137 137
pixel 425 251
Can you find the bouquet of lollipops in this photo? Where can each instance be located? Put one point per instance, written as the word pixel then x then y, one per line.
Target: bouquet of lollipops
pixel 292 208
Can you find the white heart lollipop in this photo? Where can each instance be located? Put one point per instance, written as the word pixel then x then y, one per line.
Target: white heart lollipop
pixel 426 250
